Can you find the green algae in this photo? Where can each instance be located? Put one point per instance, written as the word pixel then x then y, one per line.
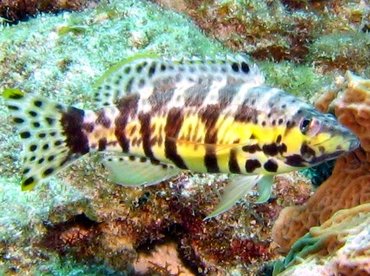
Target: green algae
pixel 299 80
pixel 344 50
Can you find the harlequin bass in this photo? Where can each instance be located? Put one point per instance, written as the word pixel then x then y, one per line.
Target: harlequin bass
pixel 156 117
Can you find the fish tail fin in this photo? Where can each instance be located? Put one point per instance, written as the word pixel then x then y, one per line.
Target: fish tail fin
pixel 52 135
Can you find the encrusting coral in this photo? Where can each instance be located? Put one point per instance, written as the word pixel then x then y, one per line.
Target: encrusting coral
pixel 340 246
pixel 349 184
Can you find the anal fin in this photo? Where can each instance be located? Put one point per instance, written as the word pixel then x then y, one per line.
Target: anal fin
pixel 240 185
pixel 137 171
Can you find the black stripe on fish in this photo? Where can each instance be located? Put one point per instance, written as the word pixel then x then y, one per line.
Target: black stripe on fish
pixel 245 114
pixel 209 116
pixel 233 162
pixel 227 93
pixel 145 132
pixel 128 108
pixel 72 123
pixel 195 95
pixel 174 122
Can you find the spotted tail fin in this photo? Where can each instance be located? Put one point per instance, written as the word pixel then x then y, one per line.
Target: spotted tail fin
pixel 52 135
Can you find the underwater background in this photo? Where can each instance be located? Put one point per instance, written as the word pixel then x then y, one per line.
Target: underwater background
pixel 79 223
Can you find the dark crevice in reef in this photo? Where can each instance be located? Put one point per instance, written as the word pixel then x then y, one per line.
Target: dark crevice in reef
pixel 14 11
pixel 74 235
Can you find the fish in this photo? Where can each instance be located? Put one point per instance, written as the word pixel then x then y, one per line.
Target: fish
pixel 156 117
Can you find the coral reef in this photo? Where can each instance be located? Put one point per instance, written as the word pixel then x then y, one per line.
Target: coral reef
pixel 340 246
pixel 287 30
pixel 137 226
pixel 348 185
pixel 80 223
pixel 14 10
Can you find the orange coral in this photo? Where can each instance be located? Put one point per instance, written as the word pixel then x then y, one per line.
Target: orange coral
pixel 349 184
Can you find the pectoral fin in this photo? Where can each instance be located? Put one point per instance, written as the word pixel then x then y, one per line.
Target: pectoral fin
pixel 240 185
pixel 135 171
pixel 264 187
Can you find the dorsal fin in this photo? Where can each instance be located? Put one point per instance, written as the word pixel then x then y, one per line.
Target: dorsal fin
pixel 141 73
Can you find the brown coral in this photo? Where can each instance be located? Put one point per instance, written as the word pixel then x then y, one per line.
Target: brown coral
pixel 14 10
pixel 349 184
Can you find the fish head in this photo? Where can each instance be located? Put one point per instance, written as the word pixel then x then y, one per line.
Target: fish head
pixel 322 137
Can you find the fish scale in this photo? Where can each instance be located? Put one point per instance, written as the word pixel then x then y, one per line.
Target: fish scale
pixel 156 117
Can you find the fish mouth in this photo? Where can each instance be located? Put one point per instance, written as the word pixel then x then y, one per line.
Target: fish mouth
pixel 354 143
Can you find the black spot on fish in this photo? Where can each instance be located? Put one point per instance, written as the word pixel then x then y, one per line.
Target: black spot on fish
pixel 41 160
pixel 295 160
pixel 42 135
pixel 45 147
pixel 33 147
pixel 127 70
pixel 271 165
pixel 58 142
pixel 51 158
pixel 25 134
pixel 139 68
pixel 36 124
pixel 235 67
pixel 141 83
pixel 18 120
pixel 48 171
pixel 154 162
pixel 270 149
pixel 251 165
pixel 251 148
pixel 32 158
pixel 13 107
pixel 50 121
pixel 307 152
pixel 28 181
pixel 37 103
pixel 26 170
pixel 151 70
pixel 163 67
pixel 245 67
pixel 16 96
pixel 129 84
pixel 278 139
pixel 143 159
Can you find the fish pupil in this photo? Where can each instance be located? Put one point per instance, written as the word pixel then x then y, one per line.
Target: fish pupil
pixel 304 125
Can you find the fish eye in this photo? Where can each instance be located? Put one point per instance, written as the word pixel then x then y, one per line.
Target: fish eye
pixel 304 126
